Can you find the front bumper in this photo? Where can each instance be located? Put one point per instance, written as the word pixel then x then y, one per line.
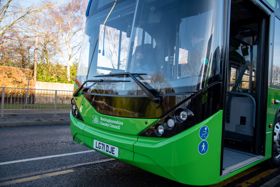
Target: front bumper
pixel 176 158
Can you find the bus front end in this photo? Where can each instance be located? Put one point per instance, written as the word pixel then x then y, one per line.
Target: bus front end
pixel 149 86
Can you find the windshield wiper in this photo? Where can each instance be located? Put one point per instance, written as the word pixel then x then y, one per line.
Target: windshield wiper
pixel 81 88
pixel 151 93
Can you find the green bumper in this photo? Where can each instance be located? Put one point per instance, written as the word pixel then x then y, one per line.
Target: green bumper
pixel 177 158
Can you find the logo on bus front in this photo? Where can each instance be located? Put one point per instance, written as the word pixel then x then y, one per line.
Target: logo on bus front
pixel 96 120
pixel 106 122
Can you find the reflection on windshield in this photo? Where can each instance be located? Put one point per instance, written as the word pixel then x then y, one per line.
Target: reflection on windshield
pixel 120 86
pixel 97 16
pixel 113 40
pixel 175 42
pixel 112 49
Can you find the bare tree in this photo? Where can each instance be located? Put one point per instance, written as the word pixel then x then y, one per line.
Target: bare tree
pixel 16 40
pixel 47 33
pixel 17 15
pixel 69 26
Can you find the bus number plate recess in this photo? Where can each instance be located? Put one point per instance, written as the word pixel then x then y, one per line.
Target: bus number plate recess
pixel 106 148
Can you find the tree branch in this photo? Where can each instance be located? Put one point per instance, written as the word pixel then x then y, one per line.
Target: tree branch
pixel 4 9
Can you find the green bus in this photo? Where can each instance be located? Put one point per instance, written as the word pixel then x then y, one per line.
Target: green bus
pixel 188 90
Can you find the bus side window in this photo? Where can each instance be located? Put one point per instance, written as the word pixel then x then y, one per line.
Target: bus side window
pixel 233 76
pixel 276 56
pixel 243 56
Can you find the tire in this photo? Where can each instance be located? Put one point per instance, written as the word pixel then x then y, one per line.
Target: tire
pixel 276 142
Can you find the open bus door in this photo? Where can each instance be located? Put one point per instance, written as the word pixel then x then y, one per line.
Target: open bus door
pixel 245 108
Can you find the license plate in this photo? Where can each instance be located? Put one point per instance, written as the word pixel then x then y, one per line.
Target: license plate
pixel 106 148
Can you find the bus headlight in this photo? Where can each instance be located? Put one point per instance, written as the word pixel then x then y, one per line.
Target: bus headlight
pixel 183 115
pixel 171 124
pixel 75 111
pixel 160 130
pixel 74 107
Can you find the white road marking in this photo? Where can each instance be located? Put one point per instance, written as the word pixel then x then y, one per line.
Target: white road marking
pixel 36 177
pixel 50 173
pixel 44 157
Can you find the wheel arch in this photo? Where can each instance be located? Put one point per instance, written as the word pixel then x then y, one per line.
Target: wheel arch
pixel 275 162
pixel 277 115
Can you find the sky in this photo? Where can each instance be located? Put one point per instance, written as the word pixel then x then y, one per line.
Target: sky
pixel 27 3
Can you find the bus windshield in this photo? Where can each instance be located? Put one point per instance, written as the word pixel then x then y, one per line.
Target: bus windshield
pixel 175 44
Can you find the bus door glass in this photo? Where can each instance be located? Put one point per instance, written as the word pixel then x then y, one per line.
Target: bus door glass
pixel 244 126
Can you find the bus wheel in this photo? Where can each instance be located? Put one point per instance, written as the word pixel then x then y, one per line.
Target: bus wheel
pixel 276 145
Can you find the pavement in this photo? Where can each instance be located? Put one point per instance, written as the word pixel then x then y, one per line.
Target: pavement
pixel 31 118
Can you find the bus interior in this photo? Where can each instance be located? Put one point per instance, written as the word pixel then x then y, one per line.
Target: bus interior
pixel 244 126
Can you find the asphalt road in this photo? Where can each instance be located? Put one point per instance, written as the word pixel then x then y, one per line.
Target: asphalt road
pixel 47 156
